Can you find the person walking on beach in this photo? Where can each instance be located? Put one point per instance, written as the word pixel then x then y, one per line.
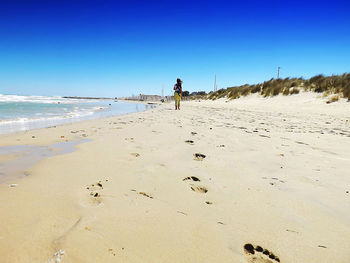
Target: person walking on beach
pixel 178 93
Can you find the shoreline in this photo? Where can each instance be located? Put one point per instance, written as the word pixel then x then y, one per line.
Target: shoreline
pixel 272 176
pixel 13 126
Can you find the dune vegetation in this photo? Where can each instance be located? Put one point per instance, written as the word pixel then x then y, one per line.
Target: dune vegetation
pixel 336 84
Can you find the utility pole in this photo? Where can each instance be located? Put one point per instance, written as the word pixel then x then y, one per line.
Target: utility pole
pixel 215 83
pixel 278 72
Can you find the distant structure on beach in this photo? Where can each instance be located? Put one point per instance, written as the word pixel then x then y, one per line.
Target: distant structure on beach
pixel 86 98
pixel 144 97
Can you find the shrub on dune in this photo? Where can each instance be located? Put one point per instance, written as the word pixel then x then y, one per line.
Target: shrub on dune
pixel 286 91
pixel 256 88
pixel 346 91
pixel 336 84
pixel 294 91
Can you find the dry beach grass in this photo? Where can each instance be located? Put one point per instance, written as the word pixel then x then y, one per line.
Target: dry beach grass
pixel 338 84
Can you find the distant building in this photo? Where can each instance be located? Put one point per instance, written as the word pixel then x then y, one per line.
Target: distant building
pixel 144 97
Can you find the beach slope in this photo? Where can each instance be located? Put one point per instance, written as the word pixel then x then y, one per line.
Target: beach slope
pixel 250 180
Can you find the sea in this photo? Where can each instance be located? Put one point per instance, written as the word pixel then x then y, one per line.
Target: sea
pixel 21 113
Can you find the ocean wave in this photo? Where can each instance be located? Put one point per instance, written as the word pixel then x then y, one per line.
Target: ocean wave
pixel 40 99
pixel 49 116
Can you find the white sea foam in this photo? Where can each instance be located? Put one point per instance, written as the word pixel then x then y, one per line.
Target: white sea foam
pixel 76 114
pixel 40 99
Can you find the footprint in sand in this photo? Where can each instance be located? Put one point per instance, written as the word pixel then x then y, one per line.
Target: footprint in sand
pixel 196 188
pixel 77 131
pixel 192 178
pixel 199 189
pixel 259 255
pixel 189 142
pixel 111 250
pixel 298 142
pixel 199 156
pixel 135 154
pixel 95 192
pixel 145 194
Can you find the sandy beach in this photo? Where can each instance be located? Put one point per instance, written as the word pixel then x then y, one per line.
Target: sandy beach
pixel 261 180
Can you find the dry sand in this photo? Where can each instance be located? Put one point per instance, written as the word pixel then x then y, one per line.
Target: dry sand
pixel 275 177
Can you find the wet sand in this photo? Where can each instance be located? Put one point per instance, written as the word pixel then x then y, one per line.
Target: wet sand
pixel 251 180
pixel 16 160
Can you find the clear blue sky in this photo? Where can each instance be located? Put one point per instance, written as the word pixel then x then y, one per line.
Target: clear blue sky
pixel 117 48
